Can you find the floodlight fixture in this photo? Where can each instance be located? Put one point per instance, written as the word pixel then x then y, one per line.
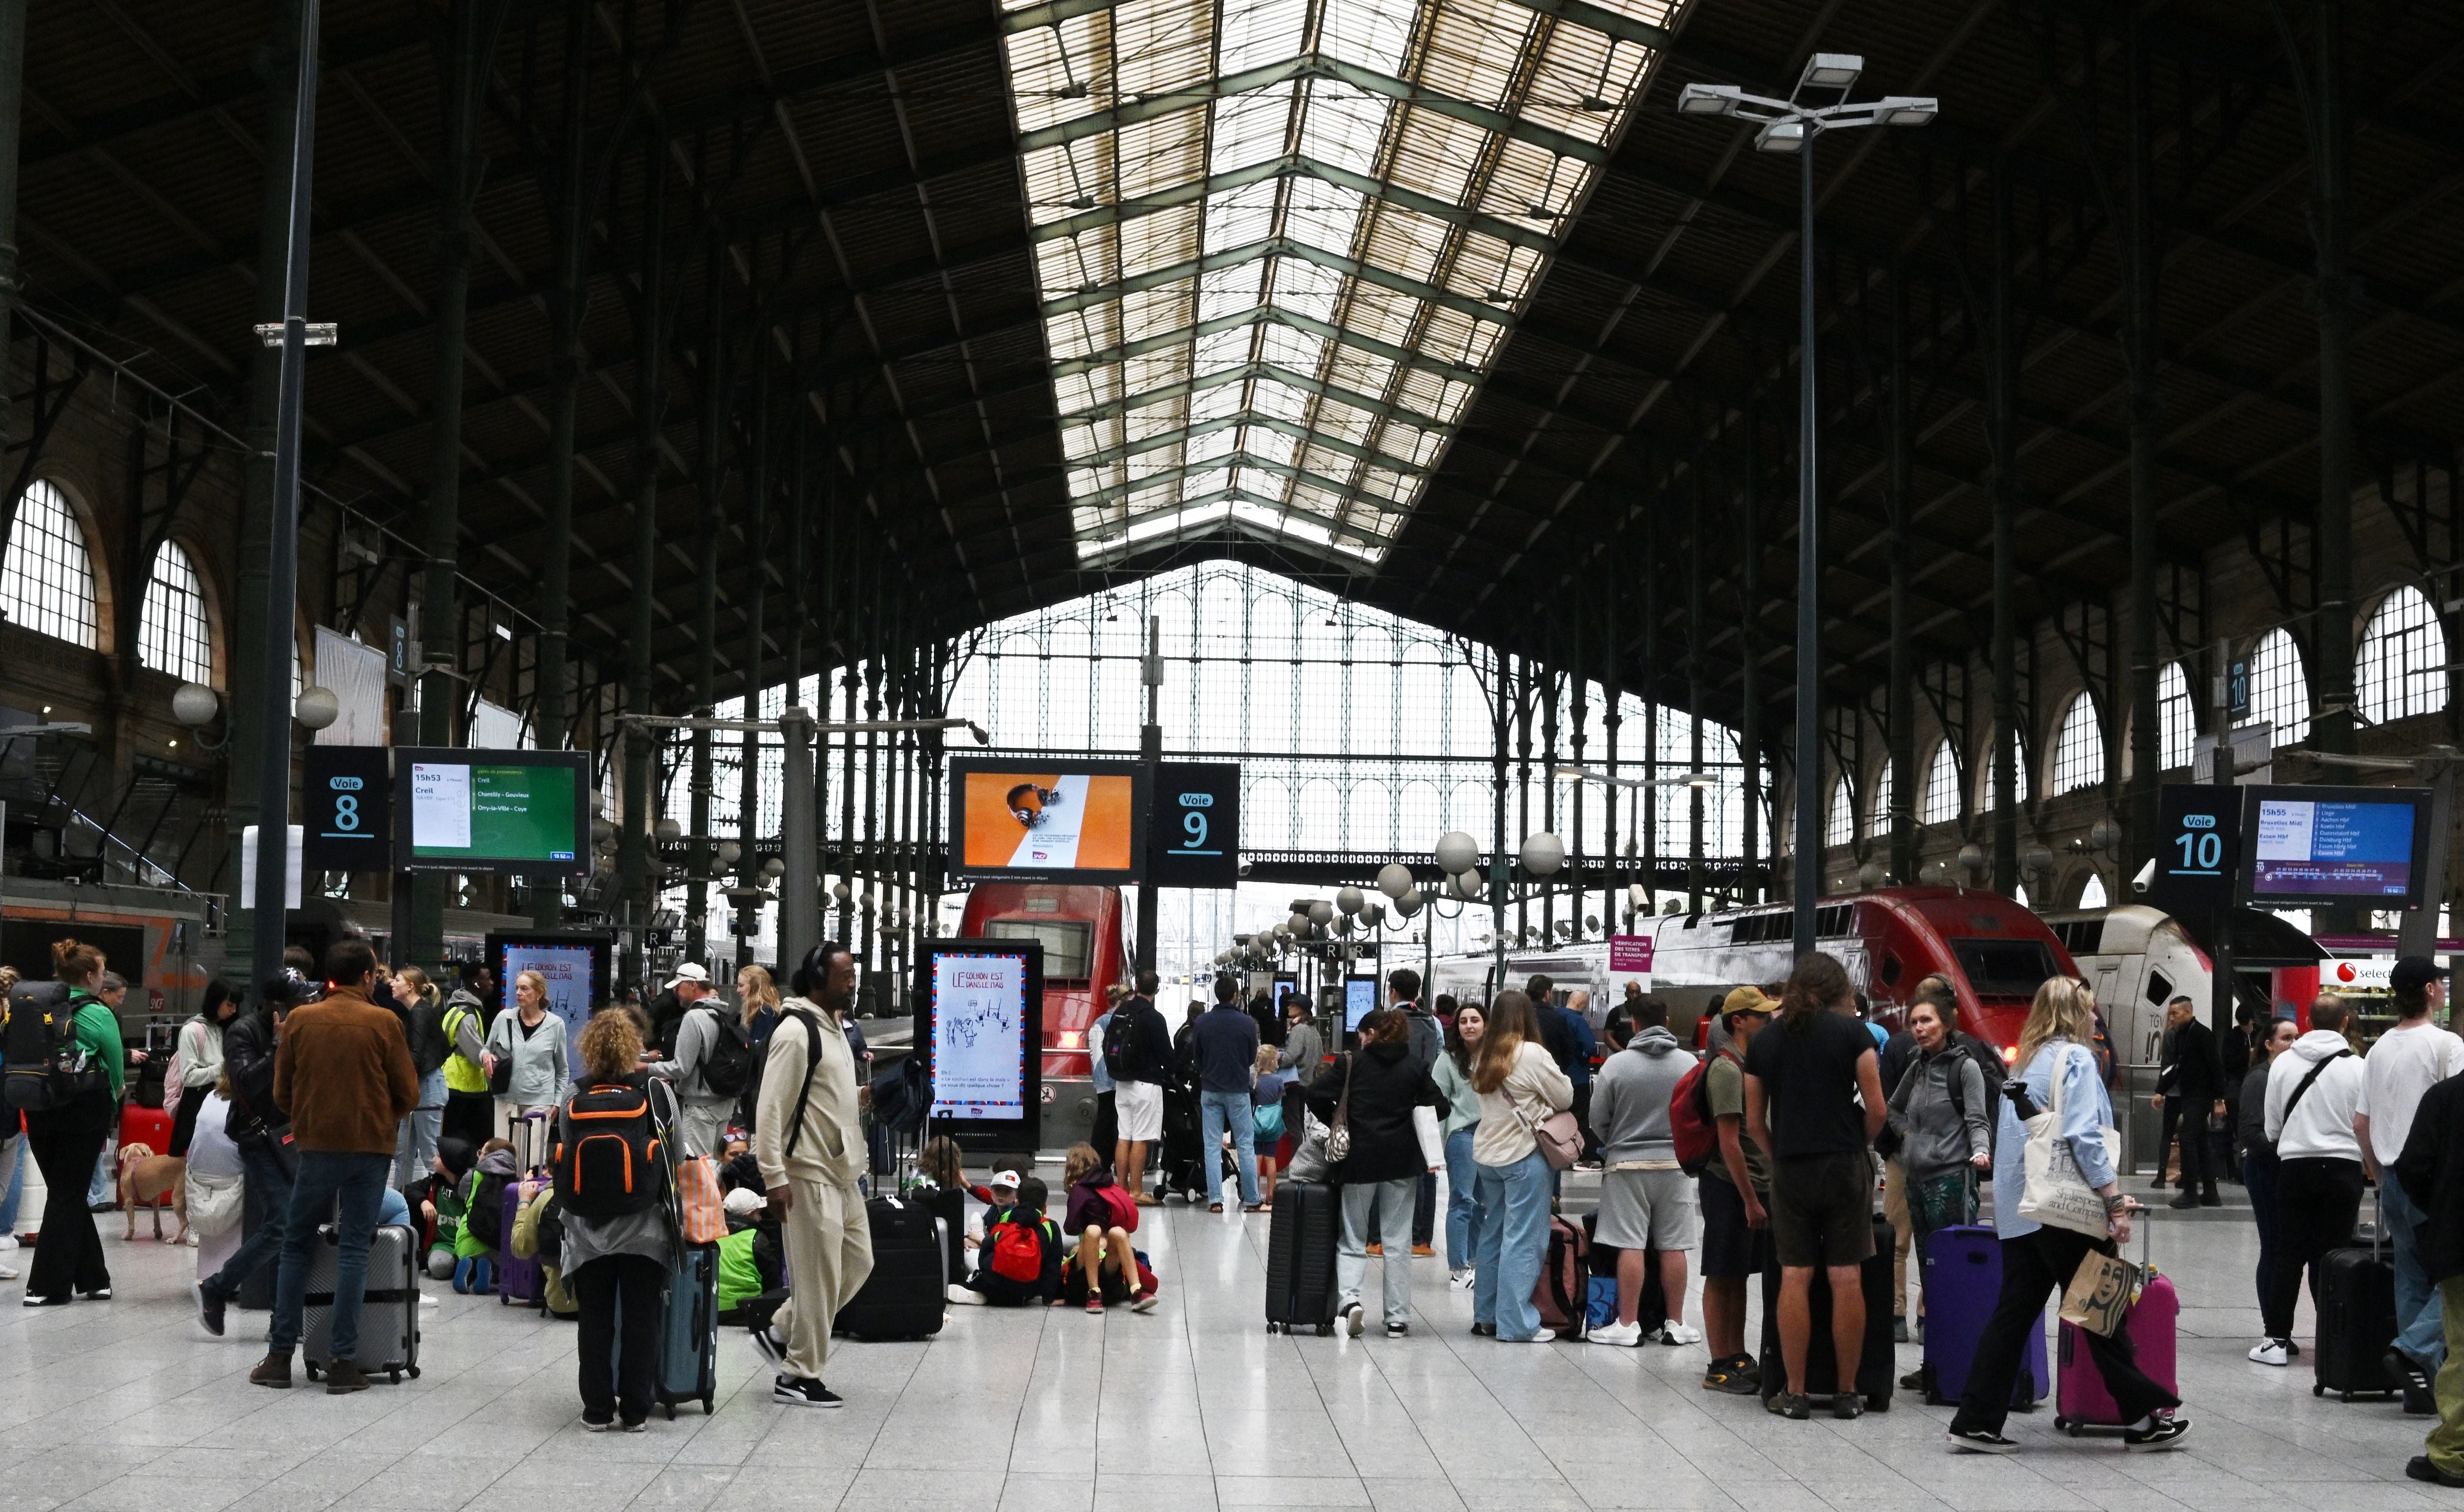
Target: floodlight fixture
pixel 1710 99
pixel 1834 71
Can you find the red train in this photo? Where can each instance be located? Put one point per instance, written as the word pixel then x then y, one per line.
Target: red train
pixel 1083 930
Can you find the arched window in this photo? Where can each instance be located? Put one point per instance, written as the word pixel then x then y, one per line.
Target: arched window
pixel 2176 729
pixel 2401 669
pixel 2280 688
pixel 172 633
pixel 1941 785
pixel 2078 748
pixel 1840 829
pixel 47 583
pixel 1993 775
pixel 1881 810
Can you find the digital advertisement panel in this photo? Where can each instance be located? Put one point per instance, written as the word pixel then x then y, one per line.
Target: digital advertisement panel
pixel 978 1036
pixel 486 810
pixel 1359 1000
pixel 1084 823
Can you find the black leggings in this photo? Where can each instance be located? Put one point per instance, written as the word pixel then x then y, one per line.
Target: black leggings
pixel 184 1120
pixel 621 1298
pixel 2035 1266
pixel 2316 1201
pixel 66 1143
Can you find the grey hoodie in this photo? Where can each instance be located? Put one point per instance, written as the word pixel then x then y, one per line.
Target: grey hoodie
pixel 1936 1139
pixel 1630 1097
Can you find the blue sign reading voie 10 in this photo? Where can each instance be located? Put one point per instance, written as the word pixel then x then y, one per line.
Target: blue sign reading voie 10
pixel 2310 844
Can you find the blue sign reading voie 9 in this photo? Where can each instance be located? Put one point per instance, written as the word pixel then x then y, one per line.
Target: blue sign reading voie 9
pixel 1194 831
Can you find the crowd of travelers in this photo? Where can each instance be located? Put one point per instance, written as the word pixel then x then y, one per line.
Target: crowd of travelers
pixel 355 1096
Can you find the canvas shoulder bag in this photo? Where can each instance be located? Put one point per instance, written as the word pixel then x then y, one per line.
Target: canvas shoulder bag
pixel 2056 1193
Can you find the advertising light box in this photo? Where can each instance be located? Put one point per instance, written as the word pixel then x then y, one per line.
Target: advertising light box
pixel 1084 821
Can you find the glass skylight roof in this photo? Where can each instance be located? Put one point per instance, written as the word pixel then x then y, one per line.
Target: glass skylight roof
pixel 1280 241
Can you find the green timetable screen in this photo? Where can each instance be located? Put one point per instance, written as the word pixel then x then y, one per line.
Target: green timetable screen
pixel 475 811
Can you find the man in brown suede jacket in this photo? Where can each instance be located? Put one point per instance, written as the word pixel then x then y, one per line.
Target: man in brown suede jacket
pixel 343 1074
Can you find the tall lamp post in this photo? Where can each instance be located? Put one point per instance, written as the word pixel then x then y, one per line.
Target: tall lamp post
pixel 1789 125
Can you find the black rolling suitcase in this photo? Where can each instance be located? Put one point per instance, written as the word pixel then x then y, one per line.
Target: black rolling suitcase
pixel 1300 1257
pixel 1179 1163
pixel 906 1293
pixel 1878 1369
pixel 2356 1322
pixel 388 1308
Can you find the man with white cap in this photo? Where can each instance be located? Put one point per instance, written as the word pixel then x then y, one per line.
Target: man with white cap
pixel 689 985
pixel 704 1030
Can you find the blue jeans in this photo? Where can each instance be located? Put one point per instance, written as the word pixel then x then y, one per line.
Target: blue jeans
pixel 2420 1319
pixel 103 1188
pixel 265 1193
pixel 12 1155
pixel 414 1148
pixel 1514 1243
pixel 2258 1179
pixel 1392 1203
pixel 1216 1111
pixel 357 1181
pixel 1462 1197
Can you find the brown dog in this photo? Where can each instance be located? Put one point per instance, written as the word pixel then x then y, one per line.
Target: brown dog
pixel 146 1177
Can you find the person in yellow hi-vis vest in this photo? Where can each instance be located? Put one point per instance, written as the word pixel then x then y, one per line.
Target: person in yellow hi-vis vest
pixel 470 1112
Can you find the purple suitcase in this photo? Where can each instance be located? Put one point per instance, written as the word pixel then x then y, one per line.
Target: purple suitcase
pixel 518 1281
pixel 1963 1280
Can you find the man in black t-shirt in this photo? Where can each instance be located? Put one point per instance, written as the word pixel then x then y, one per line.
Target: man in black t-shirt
pixel 1804 1077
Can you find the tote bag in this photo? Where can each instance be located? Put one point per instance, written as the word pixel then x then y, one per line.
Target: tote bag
pixel 2055 1194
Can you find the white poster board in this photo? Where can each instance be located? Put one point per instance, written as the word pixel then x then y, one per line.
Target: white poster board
pixel 355 674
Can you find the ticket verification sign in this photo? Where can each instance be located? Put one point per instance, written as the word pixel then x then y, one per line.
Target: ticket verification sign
pixel 1630 959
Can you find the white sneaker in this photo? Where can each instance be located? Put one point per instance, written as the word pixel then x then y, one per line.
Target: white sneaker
pixel 8 1241
pixel 1544 1336
pixel 1461 1278
pixel 1679 1333
pixel 8 1273
pixel 1354 1317
pixel 427 1299
pixel 960 1297
pixel 1625 1335
pixel 2272 1351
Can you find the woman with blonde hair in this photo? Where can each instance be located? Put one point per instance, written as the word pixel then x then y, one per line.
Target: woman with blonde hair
pixel 2056 1075
pixel 1520 1088
pixel 616 1265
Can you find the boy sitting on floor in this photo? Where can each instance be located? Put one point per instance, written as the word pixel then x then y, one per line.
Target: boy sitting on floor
pixel 1019 1261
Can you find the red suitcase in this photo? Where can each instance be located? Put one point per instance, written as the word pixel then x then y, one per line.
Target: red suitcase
pixel 150 1127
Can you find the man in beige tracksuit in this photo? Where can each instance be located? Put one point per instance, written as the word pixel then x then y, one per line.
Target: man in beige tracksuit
pixel 811 1164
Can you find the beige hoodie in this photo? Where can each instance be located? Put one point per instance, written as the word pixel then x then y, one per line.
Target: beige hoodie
pixel 831 1147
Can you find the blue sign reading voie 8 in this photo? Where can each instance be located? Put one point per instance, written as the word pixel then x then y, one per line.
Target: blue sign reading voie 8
pixel 1194 828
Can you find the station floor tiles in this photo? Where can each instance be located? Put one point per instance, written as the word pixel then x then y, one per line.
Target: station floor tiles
pixel 127 1407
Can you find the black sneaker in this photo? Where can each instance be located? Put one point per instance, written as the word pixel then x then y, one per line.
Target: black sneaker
pixel 210 1310
pixel 769 1345
pixel 1398 1330
pixel 801 1392
pixel 98 1294
pixel 2165 1435
pixel 2186 1199
pixel 1790 1405
pixel 2419 1468
pixel 1478 1330
pixel 1979 1441
pixel 1847 1406
pixel 1732 1376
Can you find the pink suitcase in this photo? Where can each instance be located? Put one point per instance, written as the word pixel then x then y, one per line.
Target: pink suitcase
pixel 2081 1401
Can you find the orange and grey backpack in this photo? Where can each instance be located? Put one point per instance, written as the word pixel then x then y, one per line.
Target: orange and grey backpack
pixel 607 1160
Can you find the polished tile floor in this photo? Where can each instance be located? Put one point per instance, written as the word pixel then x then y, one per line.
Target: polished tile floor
pixel 126 1406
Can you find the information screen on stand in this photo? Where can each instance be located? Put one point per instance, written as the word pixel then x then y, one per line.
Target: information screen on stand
pixel 2326 845
pixel 981 1024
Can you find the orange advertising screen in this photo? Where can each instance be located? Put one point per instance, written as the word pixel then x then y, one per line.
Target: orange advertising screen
pixel 1086 820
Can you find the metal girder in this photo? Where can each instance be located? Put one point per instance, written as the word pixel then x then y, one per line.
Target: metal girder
pixel 1268 314
pixel 1183 387
pixel 1297 165
pixel 1223 464
pixel 1276 424
pixel 1088 296
pixel 1311 65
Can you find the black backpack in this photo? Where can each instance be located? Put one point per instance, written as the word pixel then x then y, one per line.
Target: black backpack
pixel 727 1066
pixel 42 1065
pixel 607 1161
pixel 1120 1047
pixel 485 1216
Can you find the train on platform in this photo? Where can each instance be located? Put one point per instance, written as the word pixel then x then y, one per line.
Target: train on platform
pixel 1084 933
pixel 1994 950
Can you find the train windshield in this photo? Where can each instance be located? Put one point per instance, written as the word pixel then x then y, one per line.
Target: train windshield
pixel 2004 968
pixel 1066 944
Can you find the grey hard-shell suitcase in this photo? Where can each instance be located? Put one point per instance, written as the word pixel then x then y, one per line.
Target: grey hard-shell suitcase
pixel 388 1308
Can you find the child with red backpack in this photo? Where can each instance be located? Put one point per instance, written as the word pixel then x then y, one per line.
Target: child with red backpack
pixel 1100 1218
pixel 1019 1261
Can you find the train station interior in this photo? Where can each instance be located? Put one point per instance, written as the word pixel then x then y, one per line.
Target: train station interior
pixel 1274 493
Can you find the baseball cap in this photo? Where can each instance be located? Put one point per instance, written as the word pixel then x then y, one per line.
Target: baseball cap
pixel 743 1202
pixel 689 972
pixel 2412 972
pixel 1003 1178
pixel 1745 1000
